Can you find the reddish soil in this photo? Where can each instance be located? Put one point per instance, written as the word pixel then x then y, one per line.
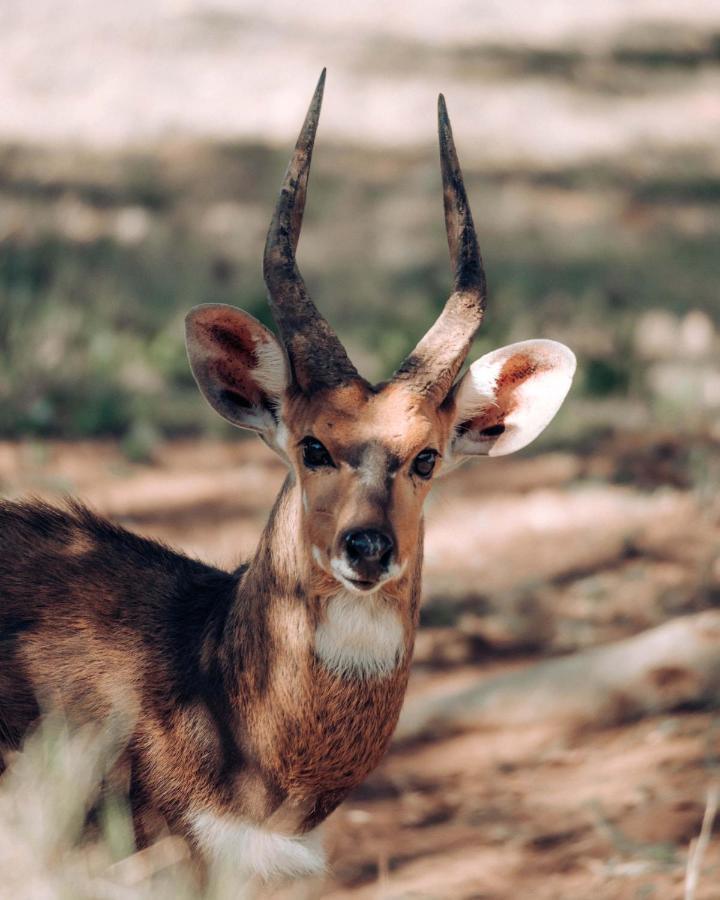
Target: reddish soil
pixel 526 558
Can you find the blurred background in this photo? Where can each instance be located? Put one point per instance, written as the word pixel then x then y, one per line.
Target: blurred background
pixel 142 145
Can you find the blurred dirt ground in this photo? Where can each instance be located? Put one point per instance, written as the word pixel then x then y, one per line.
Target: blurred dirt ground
pixel 526 558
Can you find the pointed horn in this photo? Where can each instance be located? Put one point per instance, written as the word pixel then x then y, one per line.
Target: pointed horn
pixel 434 364
pixel 317 358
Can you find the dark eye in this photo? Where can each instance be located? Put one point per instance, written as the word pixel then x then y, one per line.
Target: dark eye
pixel 424 463
pixel 314 454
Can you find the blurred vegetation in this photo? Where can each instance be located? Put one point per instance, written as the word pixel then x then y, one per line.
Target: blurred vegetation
pixel 101 256
pixel 66 829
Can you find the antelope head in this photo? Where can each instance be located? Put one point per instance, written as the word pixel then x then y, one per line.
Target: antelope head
pixel 363 456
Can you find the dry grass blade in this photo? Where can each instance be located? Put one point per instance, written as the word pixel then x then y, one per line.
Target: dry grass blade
pixel 144 864
pixel 698 847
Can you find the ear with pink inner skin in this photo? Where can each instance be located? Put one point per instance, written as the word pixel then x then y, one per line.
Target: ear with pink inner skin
pixel 239 366
pixel 507 397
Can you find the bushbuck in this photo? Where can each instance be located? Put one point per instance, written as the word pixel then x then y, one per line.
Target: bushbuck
pixel 259 698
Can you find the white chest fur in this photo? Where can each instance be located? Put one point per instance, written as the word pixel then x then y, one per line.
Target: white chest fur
pixel 360 636
pixel 249 852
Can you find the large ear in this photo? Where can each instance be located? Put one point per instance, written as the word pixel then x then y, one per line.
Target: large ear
pixel 508 396
pixel 238 364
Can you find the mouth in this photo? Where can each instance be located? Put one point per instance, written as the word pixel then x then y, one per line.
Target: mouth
pixel 362 585
pixel 345 575
pixel 357 585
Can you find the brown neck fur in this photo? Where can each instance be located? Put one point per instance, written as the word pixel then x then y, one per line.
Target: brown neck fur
pixel 312 734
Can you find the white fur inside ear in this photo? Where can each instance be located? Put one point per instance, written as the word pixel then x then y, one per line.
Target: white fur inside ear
pixel 271 370
pixel 477 389
pixel 518 389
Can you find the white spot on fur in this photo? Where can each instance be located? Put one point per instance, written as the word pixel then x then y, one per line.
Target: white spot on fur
pixel 281 437
pixel 316 555
pixel 305 502
pixel 252 851
pixel 373 470
pixel 342 570
pixel 360 636
pixel 395 570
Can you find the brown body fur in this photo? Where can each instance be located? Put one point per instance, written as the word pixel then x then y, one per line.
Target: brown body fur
pixel 232 712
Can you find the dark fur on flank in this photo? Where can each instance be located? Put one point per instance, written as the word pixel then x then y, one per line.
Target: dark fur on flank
pixel 85 604
pixel 95 620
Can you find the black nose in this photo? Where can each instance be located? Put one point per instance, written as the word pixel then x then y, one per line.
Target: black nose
pixel 369 546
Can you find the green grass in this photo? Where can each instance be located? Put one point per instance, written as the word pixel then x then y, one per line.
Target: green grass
pixel 91 337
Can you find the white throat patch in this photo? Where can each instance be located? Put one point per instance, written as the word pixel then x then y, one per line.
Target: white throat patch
pixel 360 636
pixel 248 851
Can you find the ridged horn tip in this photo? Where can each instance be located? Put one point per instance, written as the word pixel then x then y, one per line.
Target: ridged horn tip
pixel 316 101
pixel 317 358
pixel 437 359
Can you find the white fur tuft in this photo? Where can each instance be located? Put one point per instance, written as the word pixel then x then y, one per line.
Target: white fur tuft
pixel 281 439
pixel 360 636
pixel 271 370
pixel 252 851
pixel 477 389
